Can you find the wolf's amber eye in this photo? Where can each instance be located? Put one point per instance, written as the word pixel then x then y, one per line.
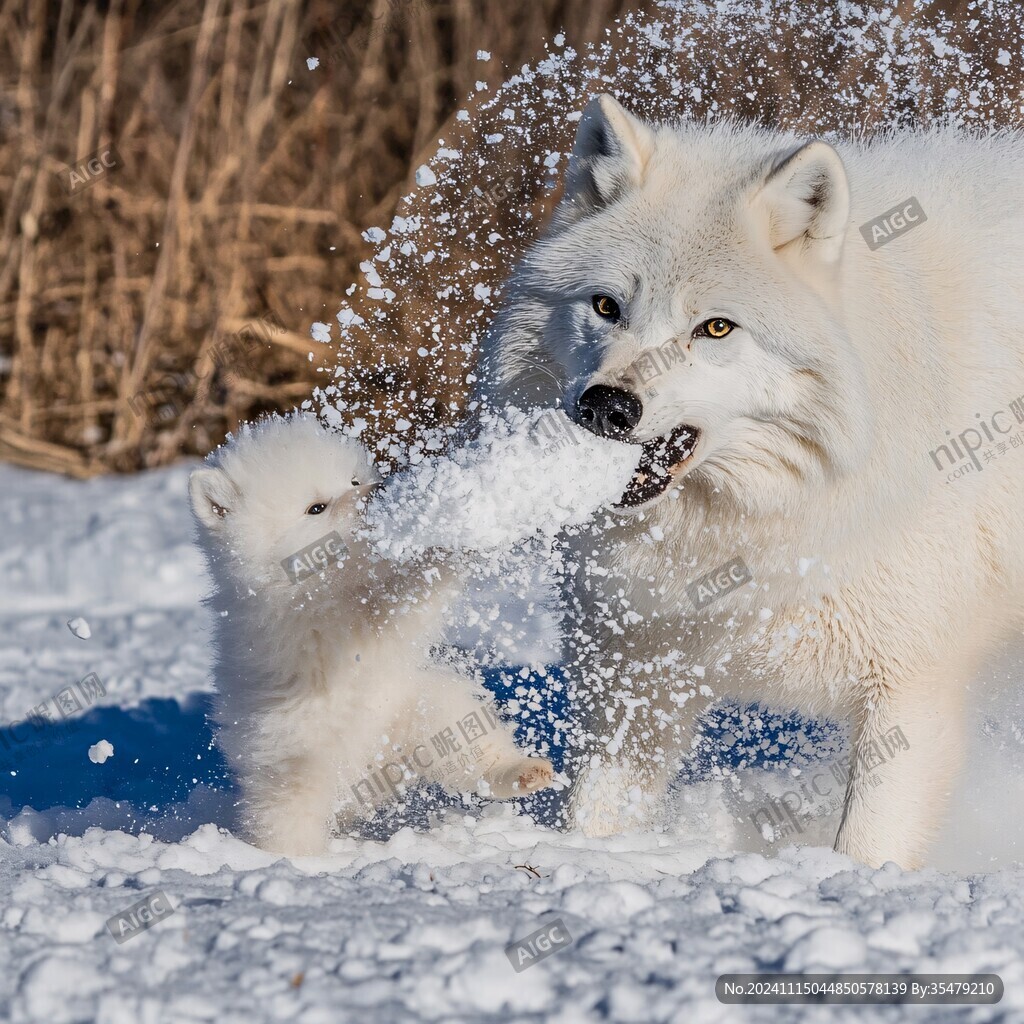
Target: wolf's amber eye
pixel 717 328
pixel 315 510
pixel 605 306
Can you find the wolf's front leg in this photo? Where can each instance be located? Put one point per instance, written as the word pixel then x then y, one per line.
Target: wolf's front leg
pixel 906 752
pixel 627 756
pixel 289 809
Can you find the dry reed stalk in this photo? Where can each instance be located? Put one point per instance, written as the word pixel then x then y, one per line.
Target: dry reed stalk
pixel 246 181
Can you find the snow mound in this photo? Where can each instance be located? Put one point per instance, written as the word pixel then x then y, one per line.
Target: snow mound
pixel 526 474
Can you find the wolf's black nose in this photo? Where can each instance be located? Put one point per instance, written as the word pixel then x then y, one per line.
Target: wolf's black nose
pixel 609 412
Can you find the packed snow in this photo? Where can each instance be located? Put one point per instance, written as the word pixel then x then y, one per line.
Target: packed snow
pixel 410 922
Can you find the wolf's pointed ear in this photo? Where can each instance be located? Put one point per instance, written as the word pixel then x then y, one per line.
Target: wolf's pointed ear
pixel 610 153
pixel 213 496
pixel 807 201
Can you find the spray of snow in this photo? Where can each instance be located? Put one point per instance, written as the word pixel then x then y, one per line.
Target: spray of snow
pixel 524 475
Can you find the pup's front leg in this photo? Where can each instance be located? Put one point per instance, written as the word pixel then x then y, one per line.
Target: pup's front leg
pixel 472 749
pixel 906 752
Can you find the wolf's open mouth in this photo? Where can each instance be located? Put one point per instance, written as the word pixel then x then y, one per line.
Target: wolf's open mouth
pixel 660 458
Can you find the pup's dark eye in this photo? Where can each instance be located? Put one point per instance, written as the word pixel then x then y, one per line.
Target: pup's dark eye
pixel 355 482
pixel 717 328
pixel 606 307
pixel 315 510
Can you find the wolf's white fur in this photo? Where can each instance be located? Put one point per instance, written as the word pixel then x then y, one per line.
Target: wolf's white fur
pixel 879 580
pixel 325 689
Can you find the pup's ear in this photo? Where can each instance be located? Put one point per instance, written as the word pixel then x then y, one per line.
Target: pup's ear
pixel 213 497
pixel 610 153
pixel 807 201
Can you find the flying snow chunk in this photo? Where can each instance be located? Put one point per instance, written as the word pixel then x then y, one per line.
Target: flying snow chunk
pixel 348 317
pixel 371 274
pixel 312 63
pixel 482 55
pixel 99 752
pixel 425 176
pixel 80 628
pixel 526 474
pixel 321 332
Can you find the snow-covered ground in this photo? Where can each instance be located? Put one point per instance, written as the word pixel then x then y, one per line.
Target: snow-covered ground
pixel 409 925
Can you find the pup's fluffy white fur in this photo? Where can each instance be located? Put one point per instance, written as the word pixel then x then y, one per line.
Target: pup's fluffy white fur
pixel 325 685
pixel 884 570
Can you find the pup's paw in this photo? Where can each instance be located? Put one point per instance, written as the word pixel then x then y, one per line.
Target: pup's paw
pixel 519 778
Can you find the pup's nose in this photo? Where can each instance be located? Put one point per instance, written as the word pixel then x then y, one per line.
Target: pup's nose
pixel 609 412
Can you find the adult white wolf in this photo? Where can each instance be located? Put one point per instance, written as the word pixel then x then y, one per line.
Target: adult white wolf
pixel 842 416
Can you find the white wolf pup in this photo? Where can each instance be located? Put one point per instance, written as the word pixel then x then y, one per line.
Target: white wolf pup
pixel 322 651
pixel 841 410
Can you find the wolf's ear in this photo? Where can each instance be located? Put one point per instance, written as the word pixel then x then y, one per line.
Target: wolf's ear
pixel 213 496
pixel 807 201
pixel 610 153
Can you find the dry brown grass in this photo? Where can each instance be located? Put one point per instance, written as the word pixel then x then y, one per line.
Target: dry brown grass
pixel 247 180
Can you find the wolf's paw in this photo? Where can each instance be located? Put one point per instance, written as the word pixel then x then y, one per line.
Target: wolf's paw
pixel 607 801
pixel 288 830
pixel 520 777
pixel 303 843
